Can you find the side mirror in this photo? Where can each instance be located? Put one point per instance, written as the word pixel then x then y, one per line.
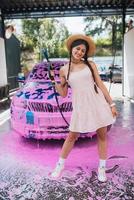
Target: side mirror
pixel 21 79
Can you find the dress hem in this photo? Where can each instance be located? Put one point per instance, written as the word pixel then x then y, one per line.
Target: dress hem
pixel 93 130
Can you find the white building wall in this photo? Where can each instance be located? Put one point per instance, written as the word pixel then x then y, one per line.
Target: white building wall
pixel 3 70
pixel 129 64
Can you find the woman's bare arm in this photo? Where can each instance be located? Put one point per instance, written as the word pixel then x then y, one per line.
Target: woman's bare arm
pixel 100 83
pixel 104 90
pixel 62 87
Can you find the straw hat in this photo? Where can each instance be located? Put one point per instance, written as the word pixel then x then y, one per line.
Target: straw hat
pixel 88 39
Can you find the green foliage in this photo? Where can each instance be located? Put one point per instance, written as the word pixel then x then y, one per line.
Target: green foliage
pixel 44 33
pixel 110 26
pixel 103 42
pixel 103 52
pixel 30 33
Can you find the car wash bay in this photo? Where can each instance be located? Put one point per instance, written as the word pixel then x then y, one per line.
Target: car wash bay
pixel 25 164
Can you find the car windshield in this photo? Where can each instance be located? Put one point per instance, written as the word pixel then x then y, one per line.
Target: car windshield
pixel 40 71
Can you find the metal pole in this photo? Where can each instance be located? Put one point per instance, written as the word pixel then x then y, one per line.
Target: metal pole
pixel 2 26
pixel 123 32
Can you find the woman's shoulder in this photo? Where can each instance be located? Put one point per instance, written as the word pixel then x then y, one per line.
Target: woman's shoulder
pixel 64 69
pixel 92 63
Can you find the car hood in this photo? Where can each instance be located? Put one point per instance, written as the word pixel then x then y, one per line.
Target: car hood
pixel 39 92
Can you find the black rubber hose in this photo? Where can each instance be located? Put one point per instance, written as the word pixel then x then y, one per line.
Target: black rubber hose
pixel 50 67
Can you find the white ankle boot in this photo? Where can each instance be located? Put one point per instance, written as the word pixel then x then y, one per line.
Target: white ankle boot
pixel 102 174
pixel 57 171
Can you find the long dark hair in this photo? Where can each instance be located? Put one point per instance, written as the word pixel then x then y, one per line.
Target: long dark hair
pixel 74 44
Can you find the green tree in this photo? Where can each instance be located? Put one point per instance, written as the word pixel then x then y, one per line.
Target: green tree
pixel 30 29
pixel 110 26
pixel 44 33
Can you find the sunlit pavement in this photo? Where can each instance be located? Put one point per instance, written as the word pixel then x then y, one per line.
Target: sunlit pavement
pixel 25 164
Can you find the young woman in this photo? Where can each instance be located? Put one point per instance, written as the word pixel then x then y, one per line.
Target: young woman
pixel 93 108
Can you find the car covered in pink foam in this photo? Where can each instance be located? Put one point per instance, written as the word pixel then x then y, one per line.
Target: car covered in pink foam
pixel 34 110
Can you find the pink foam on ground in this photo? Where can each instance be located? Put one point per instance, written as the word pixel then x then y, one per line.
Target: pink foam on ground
pixel 84 153
pixel 25 165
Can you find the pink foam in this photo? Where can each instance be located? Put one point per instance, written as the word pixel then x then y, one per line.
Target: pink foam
pixel 84 153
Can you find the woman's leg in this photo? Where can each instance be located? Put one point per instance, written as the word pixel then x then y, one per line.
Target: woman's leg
pixel 102 142
pixel 66 148
pixel 102 150
pixel 68 144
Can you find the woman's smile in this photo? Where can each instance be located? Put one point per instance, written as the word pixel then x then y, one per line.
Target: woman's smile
pixel 79 51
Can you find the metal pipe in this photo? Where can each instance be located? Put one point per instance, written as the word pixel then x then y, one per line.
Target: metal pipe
pixel 123 32
pixel 2 25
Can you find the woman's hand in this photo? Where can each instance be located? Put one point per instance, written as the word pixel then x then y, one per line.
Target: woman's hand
pixel 114 111
pixel 51 75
